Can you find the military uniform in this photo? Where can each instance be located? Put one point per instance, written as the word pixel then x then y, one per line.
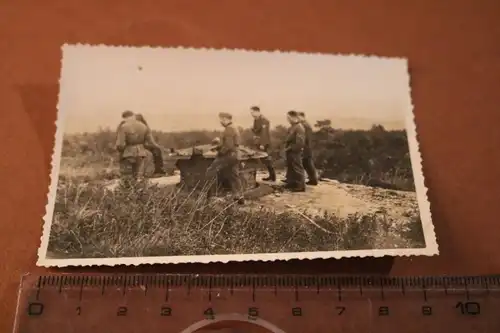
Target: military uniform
pixel 132 136
pixel 226 163
pixel 261 130
pixel 155 150
pixel 294 148
pixel 307 158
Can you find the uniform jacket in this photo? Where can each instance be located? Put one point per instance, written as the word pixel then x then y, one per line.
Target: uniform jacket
pixel 308 131
pixel 230 140
pixel 131 137
pixel 262 131
pixel 296 138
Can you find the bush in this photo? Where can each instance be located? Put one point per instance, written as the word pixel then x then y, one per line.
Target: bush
pixel 375 157
pixel 92 222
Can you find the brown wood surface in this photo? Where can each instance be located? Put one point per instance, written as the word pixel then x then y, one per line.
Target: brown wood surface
pixel 454 54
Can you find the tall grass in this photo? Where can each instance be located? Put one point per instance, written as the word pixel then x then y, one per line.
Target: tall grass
pixel 92 222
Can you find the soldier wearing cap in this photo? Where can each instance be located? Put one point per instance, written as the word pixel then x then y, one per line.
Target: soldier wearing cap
pixel 262 139
pixel 226 163
pixel 307 158
pixel 153 147
pixel 294 149
pixel 131 138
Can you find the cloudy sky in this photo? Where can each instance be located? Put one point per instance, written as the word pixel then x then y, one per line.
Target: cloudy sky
pixel 180 89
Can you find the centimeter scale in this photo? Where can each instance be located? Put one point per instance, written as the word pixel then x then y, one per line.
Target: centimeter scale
pixel 257 303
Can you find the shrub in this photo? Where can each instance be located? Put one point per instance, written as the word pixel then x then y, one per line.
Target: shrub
pixel 93 222
pixel 375 157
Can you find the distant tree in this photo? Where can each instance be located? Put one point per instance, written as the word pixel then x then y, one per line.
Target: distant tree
pixel 346 155
pixel 325 123
pixel 377 128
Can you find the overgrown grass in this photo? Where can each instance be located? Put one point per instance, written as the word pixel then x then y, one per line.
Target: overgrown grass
pixel 375 157
pixel 93 222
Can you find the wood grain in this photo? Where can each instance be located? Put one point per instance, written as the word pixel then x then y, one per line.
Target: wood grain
pixel 454 55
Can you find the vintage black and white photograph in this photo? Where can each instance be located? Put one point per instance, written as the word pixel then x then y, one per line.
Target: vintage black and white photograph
pixel 172 155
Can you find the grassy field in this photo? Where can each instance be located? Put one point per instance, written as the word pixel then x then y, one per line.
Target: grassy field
pixel 91 221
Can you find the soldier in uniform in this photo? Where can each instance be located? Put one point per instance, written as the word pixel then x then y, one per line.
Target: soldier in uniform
pixel 294 149
pixel 262 139
pixel 132 136
pixel 307 158
pixel 226 163
pixel 154 148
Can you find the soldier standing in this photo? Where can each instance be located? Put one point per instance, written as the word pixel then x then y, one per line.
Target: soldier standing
pixel 307 158
pixel 154 148
pixel 262 138
pixel 226 162
pixel 294 149
pixel 132 136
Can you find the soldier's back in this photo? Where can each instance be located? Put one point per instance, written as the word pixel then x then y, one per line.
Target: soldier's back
pixel 135 132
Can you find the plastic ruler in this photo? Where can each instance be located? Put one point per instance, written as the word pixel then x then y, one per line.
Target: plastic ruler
pixel 257 303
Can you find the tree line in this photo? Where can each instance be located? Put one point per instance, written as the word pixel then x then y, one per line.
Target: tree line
pixel 376 157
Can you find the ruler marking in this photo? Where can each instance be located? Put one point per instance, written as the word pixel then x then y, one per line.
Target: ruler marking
pixel 167 291
pixel 59 284
pixel 124 284
pixel 253 290
pixel 103 285
pixel 210 289
pixel 231 286
pixel 467 295
pixel 80 292
pixel 63 284
pixel 38 288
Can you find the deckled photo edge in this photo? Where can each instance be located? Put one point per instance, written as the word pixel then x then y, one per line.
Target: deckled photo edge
pixel 418 174
pixel 416 161
pixel 54 167
pixel 261 257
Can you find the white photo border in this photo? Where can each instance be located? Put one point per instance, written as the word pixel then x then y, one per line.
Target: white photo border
pixel 431 248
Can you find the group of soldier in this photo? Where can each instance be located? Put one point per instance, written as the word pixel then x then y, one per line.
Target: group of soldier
pixel 134 139
pixel 298 149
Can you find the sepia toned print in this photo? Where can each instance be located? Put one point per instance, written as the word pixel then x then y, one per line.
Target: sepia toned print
pixel 170 155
